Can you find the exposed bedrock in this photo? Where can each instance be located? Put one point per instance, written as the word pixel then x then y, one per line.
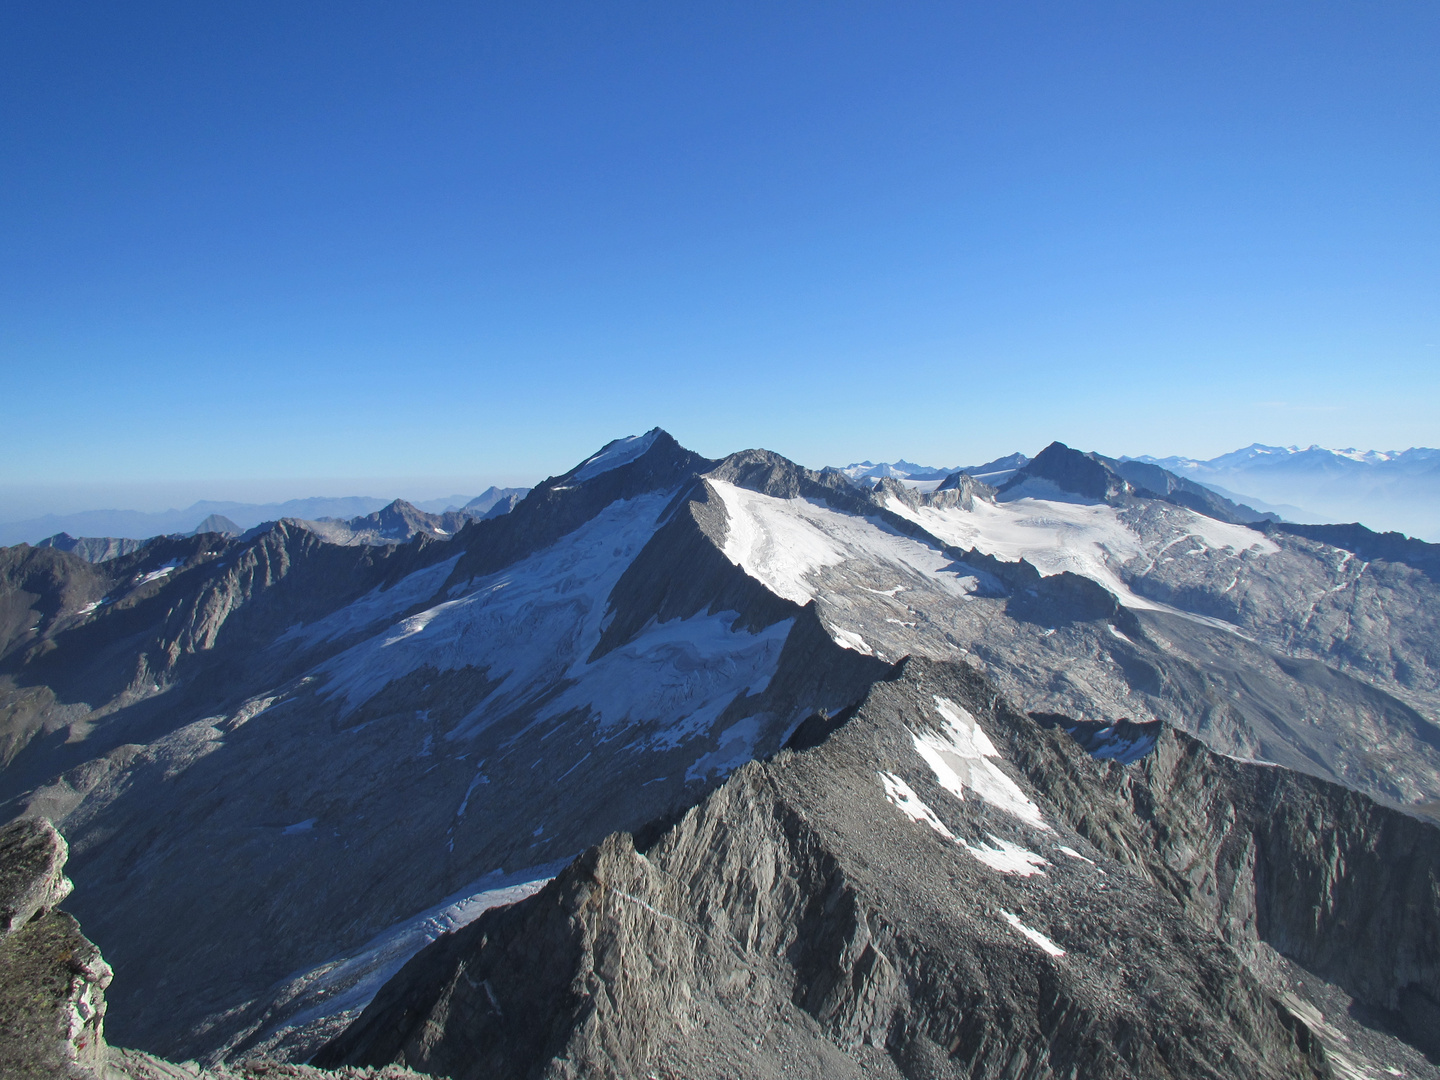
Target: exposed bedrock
pixel 52 980
pixel 559 505
pixel 682 572
pixel 1346 887
pixel 840 912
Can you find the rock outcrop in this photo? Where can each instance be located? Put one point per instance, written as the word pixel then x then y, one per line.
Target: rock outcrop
pixel 902 899
pixel 52 980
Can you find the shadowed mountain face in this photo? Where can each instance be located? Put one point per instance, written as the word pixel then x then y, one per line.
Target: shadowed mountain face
pixel 279 760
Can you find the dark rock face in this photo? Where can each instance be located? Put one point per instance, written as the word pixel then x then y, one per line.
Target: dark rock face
pixel 52 980
pixel 554 508
pixel 1124 741
pixel 1095 476
pixel 52 1001
pixel 1392 547
pixel 1176 489
pixel 1345 887
pixel 839 912
pixel 1072 471
pixel 145 639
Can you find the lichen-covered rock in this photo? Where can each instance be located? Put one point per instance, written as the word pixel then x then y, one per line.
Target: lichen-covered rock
pixel 52 1001
pixel 32 879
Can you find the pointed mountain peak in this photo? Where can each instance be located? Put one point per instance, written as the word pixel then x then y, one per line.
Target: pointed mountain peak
pixel 651 460
pixel 617 452
pixel 218 523
pixel 1073 471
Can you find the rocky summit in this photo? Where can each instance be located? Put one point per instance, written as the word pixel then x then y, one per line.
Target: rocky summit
pixel 691 767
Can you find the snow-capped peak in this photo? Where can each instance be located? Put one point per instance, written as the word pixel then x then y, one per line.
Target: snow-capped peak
pixel 614 454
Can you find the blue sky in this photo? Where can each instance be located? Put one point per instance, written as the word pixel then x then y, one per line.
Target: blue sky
pixel 252 248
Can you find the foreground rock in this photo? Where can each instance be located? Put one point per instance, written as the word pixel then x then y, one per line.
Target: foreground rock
pixel 942 887
pixel 53 980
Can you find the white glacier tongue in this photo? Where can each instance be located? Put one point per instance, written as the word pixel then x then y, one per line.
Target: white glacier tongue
pixel 614 454
pixel 312 1004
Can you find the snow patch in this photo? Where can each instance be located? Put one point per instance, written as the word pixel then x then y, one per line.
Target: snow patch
pixel 961 757
pixel 851 641
pixel 1034 935
pixel 908 803
pixel 1006 857
pixel 299 827
pixel 157 574
pixel 1074 854
pixel 1221 535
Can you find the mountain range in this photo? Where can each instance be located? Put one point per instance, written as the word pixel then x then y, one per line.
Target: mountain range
pixel 696 767
pixel 135 524
pixel 1394 490
pixel 1391 490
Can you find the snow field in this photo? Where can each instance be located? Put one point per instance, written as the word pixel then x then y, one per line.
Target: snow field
pixel 1006 857
pixel 783 542
pixel 533 626
pixel 903 796
pixel 1058 534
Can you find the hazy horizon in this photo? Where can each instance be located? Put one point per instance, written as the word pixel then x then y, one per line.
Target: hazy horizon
pixel 42 506
pixel 389 241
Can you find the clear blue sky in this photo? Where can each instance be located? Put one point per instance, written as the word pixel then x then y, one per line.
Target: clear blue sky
pixel 273 242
